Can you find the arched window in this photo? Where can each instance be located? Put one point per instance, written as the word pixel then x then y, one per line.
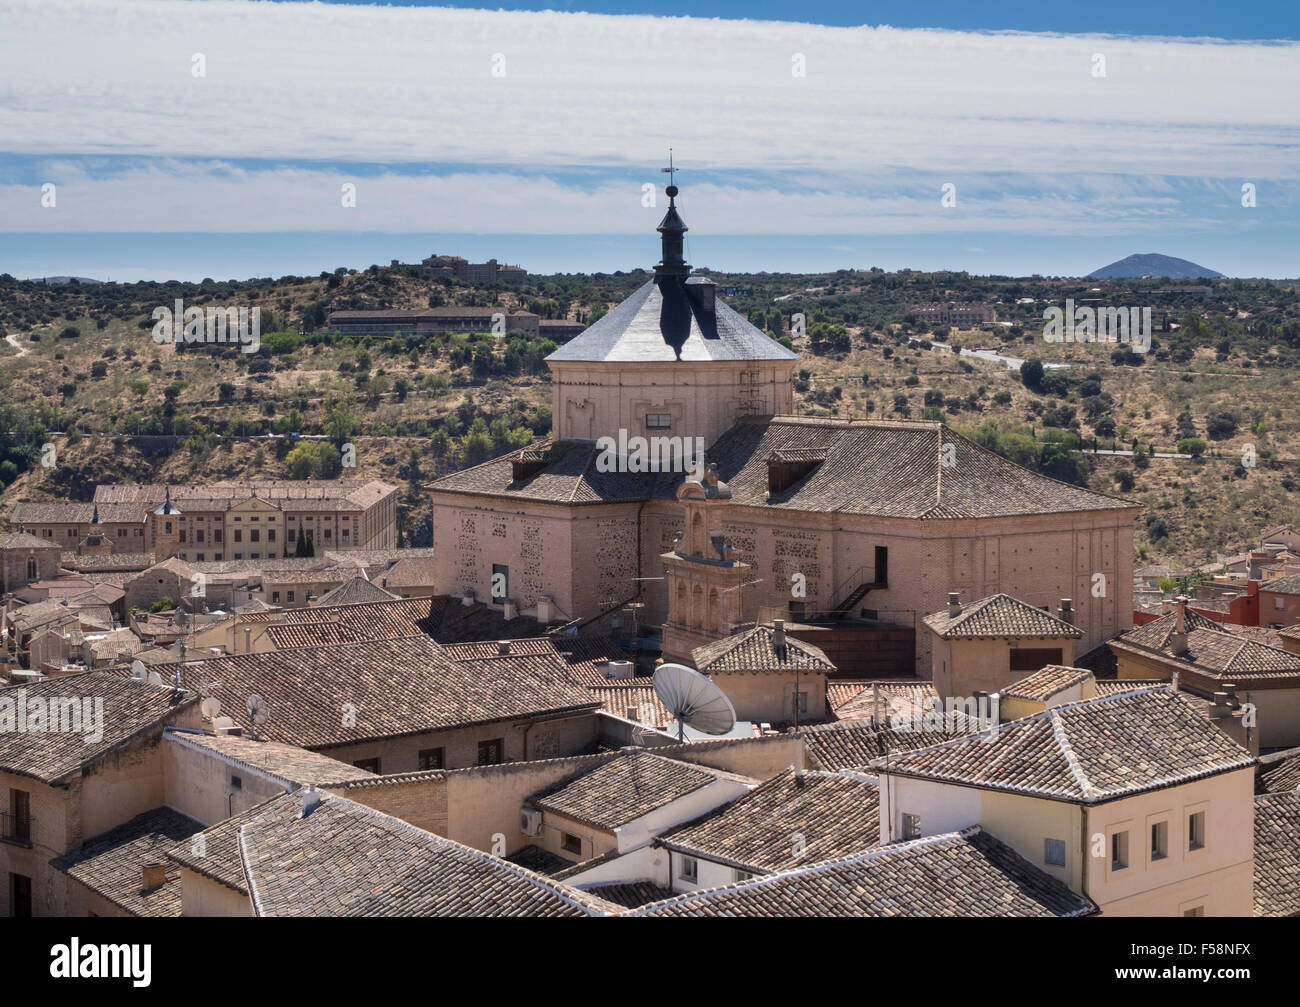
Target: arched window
pixel 31 568
pixel 715 616
pixel 681 616
pixel 697 607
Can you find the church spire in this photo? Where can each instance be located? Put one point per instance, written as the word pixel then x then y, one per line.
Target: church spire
pixel 672 230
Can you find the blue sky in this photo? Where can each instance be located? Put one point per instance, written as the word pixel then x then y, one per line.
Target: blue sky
pixel 534 133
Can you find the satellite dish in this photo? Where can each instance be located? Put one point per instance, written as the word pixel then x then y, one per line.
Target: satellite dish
pixel 211 708
pixel 693 700
pixel 155 678
pixel 259 710
pixel 138 671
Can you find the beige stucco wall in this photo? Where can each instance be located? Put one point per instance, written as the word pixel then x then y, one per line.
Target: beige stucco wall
pixel 591 400
pixel 1218 877
pixel 545 740
pixel 964 667
pixel 768 696
pixel 199 784
pixel 201 896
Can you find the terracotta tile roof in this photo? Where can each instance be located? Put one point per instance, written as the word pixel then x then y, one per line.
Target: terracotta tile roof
pixel 121 562
pixel 411 572
pixel 834 814
pixel 214 852
pixel 893 696
pixel 583 657
pixel 1278 772
pixel 1211 651
pixel 1277 854
pixel 289 494
pixel 755 650
pixel 42 613
pixel 345 859
pixel 999 616
pixel 1085 752
pixel 833 747
pixel 288 764
pixel 1290 632
pixel 889 468
pixel 1115 686
pixel 370 620
pixel 352 591
pixel 1282 585
pixel 454 622
pixel 967 873
pixel 25 540
pixel 629 894
pixel 71 512
pixel 636 693
pixel 311 634
pixel 130 709
pixel 397 687
pixel 112 864
pixel 570 476
pixel 1047 682
pixel 538 860
pixel 632 784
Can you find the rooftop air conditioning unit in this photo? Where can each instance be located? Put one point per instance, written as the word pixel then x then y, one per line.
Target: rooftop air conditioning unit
pixel 530 821
pixel 620 669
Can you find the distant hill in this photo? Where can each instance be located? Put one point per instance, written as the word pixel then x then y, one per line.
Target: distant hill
pixel 1151 264
pixel 61 279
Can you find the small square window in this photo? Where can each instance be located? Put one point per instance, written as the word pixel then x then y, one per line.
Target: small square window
pixel 690 869
pixel 1159 840
pixel 658 421
pixel 740 875
pixel 911 826
pixel 236 783
pixel 571 843
pixel 1054 852
pixel 431 758
pixel 1119 851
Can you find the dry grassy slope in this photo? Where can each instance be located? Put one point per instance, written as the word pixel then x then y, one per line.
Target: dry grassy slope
pixel 1202 511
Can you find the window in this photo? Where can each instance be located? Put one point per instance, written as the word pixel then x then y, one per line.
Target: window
pixel 182 535
pixel 200 557
pixel 500 582
pixel 1054 852
pixel 740 875
pixel 1194 911
pixel 490 753
pixel 198 535
pixel 270 534
pixel 239 534
pixel 431 758
pixel 216 535
pixel 658 421
pixel 18 824
pixel 911 826
pixel 254 535
pixel 797 610
pixel 690 870
pixel 20 896
pixel 1159 840
pixel 275 597
pixel 292 535
pixel 167 527
pixel 290 597
pixel 1278 604
pixel 1196 831
pixel 372 765
pixel 882 565
pixel 571 843
pixel 1118 851
pixel 1034 658
pixel 236 783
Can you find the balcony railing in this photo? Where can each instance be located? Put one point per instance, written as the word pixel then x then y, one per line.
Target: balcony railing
pixel 16 828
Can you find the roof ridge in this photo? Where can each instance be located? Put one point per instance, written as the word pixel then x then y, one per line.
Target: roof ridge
pixel 812 869
pixel 1071 760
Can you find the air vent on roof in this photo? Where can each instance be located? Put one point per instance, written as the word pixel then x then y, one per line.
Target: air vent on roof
pixel 619 669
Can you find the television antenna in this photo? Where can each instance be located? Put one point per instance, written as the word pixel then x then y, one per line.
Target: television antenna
pixel 259 712
pixel 693 700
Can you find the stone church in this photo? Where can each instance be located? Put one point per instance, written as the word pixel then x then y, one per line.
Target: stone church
pixel 837 525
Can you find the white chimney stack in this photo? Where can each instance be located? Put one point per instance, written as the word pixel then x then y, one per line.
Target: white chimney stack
pixel 954 604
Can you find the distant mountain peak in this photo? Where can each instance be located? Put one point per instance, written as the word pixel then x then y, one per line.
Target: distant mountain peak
pixel 1152 264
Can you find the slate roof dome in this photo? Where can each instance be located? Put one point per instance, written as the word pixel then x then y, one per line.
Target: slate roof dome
pixel 674 316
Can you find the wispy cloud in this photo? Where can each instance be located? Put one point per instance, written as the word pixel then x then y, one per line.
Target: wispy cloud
pixel 299 98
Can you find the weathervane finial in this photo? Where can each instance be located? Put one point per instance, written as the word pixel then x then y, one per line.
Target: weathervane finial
pixel 672 177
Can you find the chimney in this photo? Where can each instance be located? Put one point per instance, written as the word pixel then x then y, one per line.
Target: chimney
pixel 778 633
pixel 1180 621
pixel 154 874
pixel 248 637
pixel 309 799
pixel 1066 613
pixel 954 604
pixel 510 610
pixel 545 609
pixel 503 647
pixel 467 599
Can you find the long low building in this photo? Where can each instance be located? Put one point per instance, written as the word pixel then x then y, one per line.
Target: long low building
pixel 386 322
